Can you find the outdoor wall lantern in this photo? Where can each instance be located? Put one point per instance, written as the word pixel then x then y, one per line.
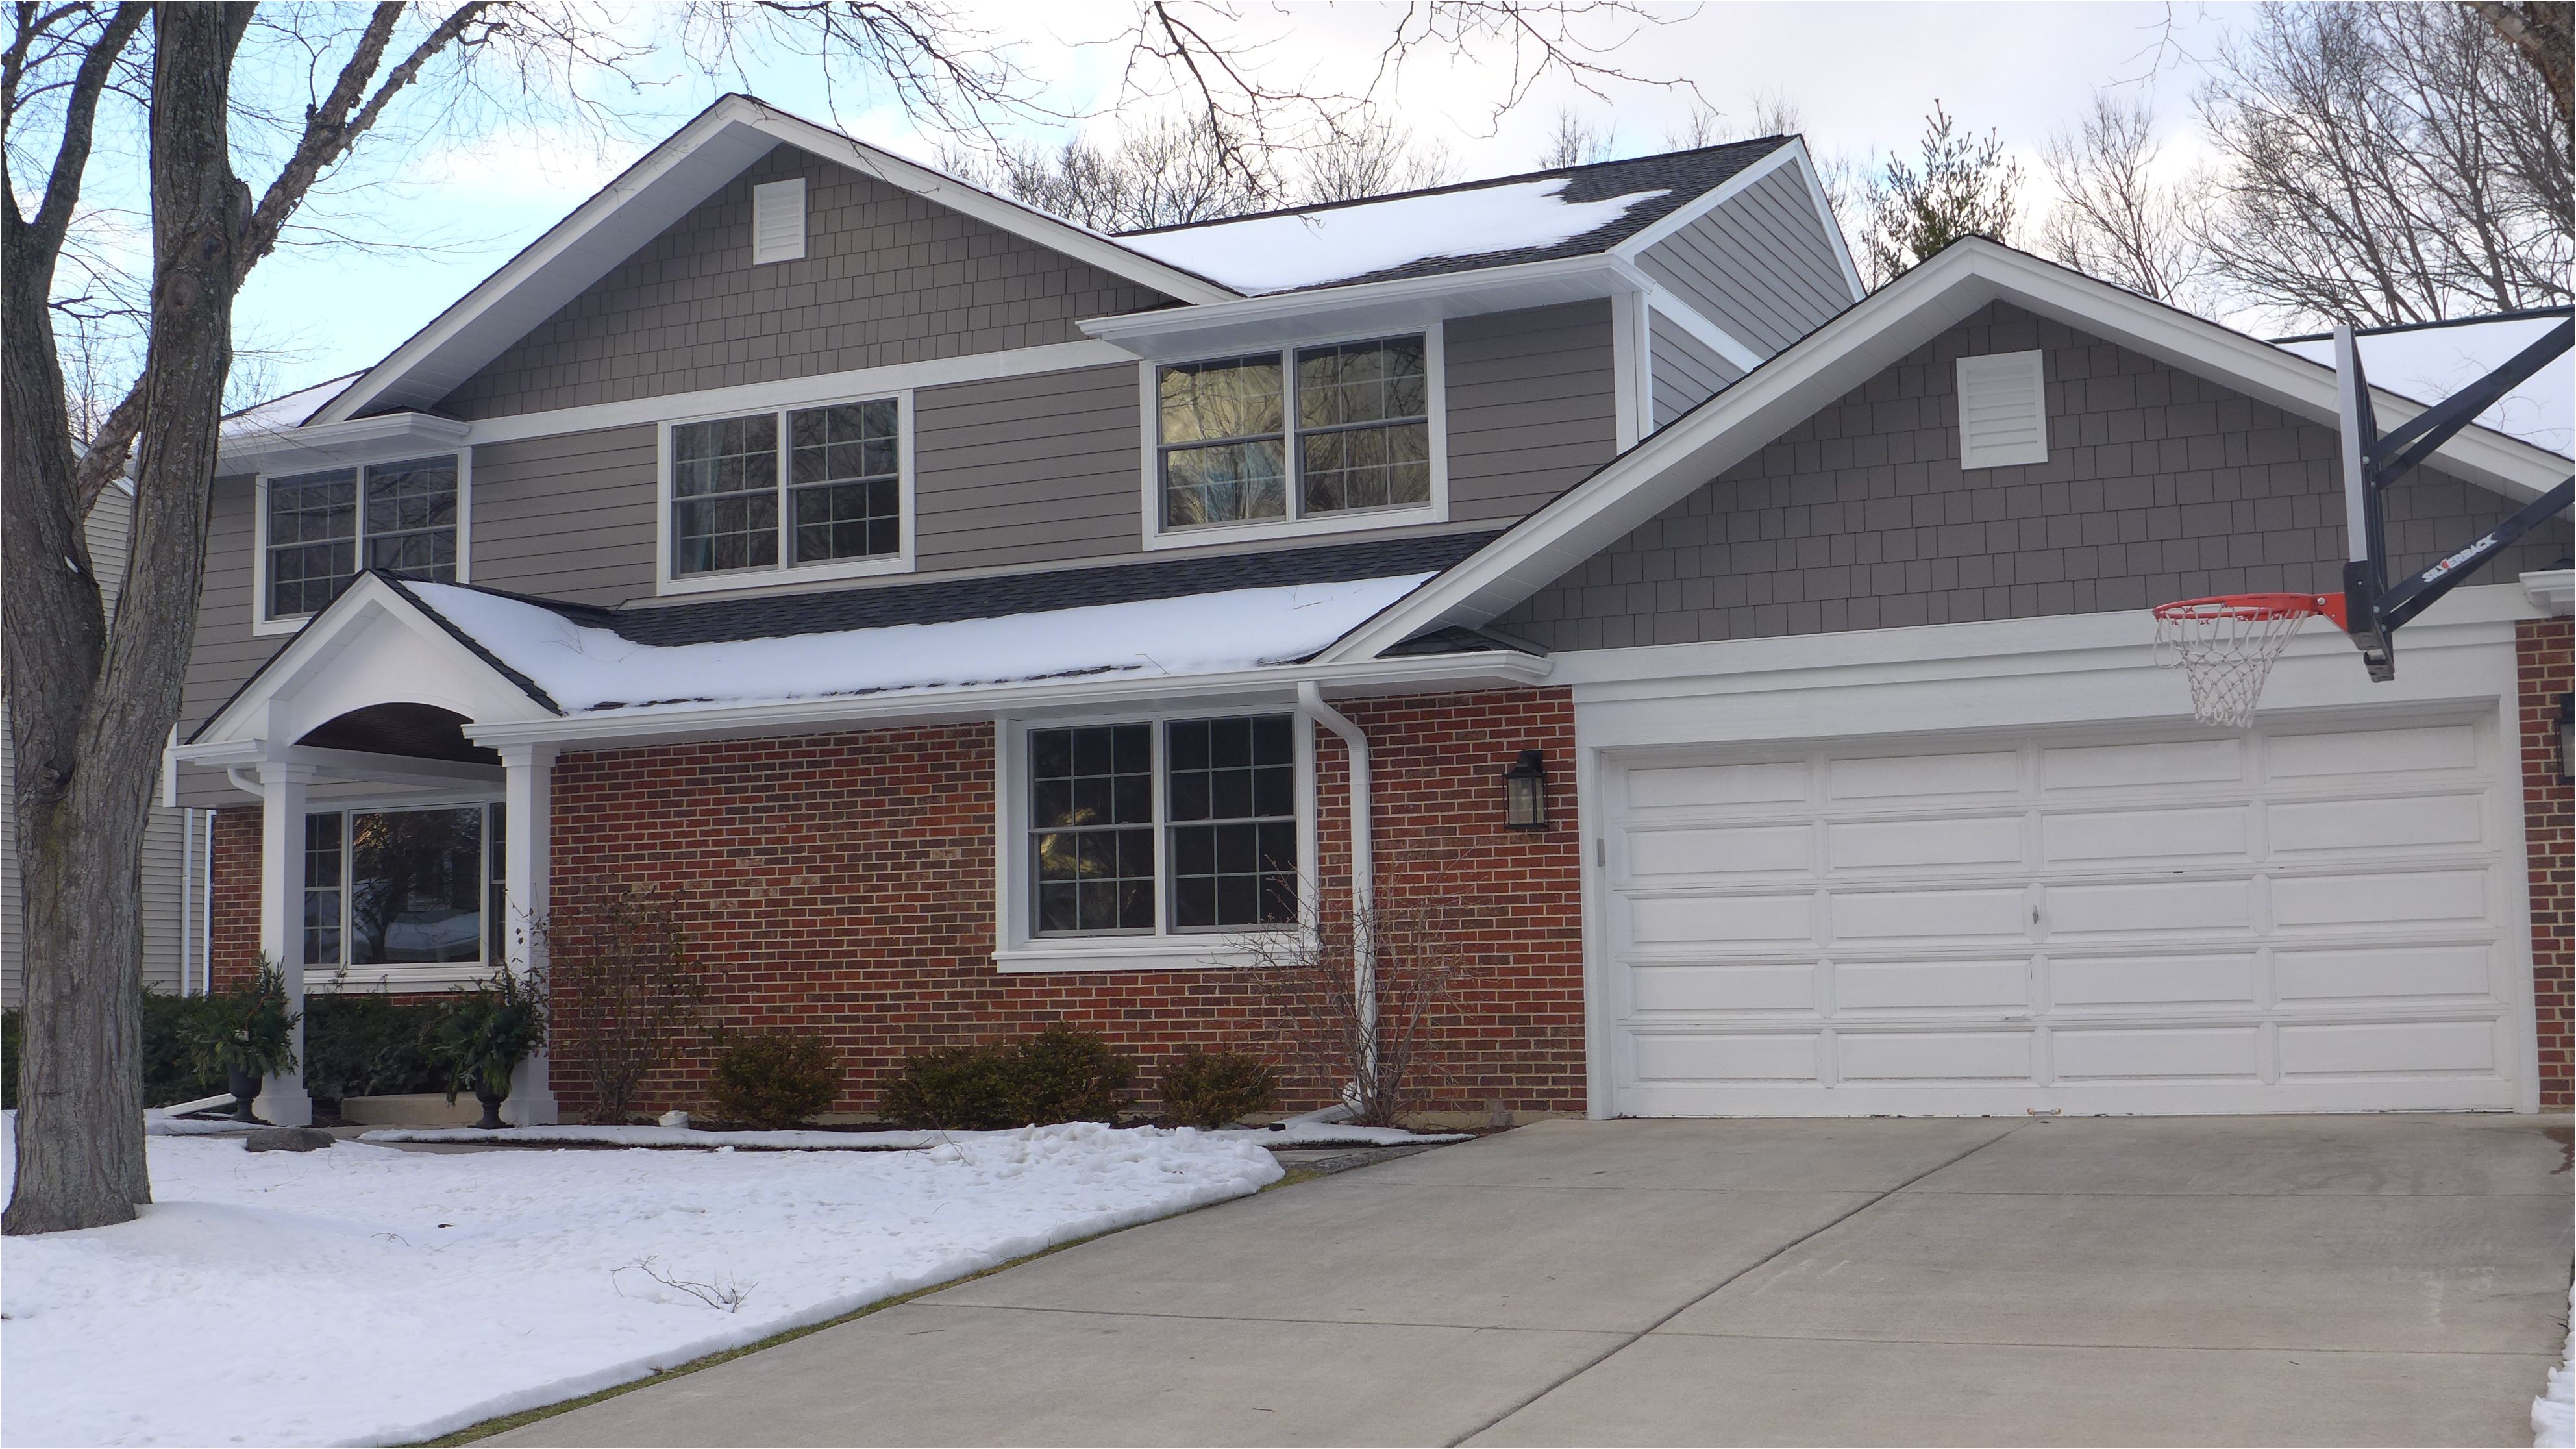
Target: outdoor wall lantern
pixel 1525 792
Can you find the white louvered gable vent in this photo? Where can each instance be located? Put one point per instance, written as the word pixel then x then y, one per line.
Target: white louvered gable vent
pixel 2003 410
pixel 778 221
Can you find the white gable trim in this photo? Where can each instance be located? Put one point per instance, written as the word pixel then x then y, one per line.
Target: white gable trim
pixel 1847 352
pixel 373 645
pixel 1788 153
pixel 694 164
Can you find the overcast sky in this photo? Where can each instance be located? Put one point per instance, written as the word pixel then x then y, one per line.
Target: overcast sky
pixel 1860 75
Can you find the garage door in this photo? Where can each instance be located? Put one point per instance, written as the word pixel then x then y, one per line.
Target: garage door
pixel 2309 918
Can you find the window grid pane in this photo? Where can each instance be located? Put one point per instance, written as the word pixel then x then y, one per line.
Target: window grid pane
pixel 415 886
pixel 1231 809
pixel 411 518
pixel 1363 413
pixel 322 883
pixel 312 540
pixel 724 484
pixel 1224 455
pixel 1091 835
pixel 843 474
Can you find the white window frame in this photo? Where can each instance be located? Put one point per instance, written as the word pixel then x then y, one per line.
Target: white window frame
pixel 1019 949
pixel 264 623
pixel 667 581
pixel 408 975
pixel 1354 520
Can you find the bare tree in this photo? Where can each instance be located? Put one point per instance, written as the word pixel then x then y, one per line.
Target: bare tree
pixel 2544 32
pixel 300 89
pixel 1574 142
pixel 2386 163
pixel 624 989
pixel 1959 186
pixel 1376 1031
pixel 2114 218
pixel 1370 159
pixel 1772 114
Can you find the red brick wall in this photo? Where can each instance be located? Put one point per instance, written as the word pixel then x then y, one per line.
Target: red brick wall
pixel 2545 649
pixel 843 884
pixel 232 907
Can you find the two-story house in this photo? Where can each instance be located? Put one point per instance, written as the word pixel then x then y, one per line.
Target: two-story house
pixel 978 622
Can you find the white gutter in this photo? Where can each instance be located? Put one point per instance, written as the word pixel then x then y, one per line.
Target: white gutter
pixel 1310 697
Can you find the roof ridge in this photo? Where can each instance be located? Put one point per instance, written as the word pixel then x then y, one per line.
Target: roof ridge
pixel 1448 188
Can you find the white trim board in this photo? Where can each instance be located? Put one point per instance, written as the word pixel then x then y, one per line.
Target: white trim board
pixel 1845 353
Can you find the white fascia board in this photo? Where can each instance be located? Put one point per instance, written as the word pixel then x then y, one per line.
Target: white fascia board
pixel 1787 153
pixel 1706 333
pixel 325 445
pixel 658 190
pixel 2551 591
pixel 1846 352
pixel 677 724
pixel 1284 318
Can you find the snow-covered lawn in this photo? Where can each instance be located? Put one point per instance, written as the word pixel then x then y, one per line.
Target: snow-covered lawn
pixel 372 1295
pixel 2553 1414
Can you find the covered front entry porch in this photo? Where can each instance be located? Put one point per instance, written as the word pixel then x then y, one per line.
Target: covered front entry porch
pixel 395 854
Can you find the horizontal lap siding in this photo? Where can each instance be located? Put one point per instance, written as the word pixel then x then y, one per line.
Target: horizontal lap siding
pixel 2159 485
pixel 1028 470
pixel 226 652
pixel 1684 374
pixel 568 517
pixel 1762 265
pixel 1532 407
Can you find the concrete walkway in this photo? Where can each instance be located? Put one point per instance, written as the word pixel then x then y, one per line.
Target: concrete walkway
pixel 2320 1280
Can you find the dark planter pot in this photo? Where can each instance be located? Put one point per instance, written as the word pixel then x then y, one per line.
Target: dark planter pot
pixel 244 1086
pixel 491 1100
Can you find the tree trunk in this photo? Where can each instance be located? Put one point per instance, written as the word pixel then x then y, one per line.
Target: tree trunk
pixel 90 722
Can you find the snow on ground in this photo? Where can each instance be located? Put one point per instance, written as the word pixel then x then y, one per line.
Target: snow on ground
pixel 608 1136
pixel 2429 364
pixel 367 1294
pixel 1308 248
pixel 586 668
pixel 2553 1414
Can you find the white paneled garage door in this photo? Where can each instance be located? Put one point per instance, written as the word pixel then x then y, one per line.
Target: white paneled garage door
pixel 2308 918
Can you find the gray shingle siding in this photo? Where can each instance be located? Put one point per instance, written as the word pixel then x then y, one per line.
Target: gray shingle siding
pixel 1533 406
pixel 1762 265
pixel 2159 485
pixel 1682 373
pixel 887 277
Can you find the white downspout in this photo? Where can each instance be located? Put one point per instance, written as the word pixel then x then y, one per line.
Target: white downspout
pixel 1310 697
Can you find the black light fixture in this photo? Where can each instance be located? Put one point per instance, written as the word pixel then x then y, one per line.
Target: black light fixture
pixel 1525 792
pixel 2567 737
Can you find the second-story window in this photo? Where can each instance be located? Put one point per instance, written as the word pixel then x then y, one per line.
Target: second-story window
pixel 838 498
pixel 324 527
pixel 1299 434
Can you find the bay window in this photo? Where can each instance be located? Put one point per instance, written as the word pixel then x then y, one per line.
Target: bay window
pixel 321 529
pixel 1307 433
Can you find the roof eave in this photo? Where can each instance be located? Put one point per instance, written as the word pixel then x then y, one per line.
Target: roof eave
pixel 1282 317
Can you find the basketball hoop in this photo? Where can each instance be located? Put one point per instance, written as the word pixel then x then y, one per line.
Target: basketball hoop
pixel 2226 645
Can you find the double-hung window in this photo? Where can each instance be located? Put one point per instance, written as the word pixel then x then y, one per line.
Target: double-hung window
pixel 1309 433
pixel 322 528
pixel 1185 826
pixel 800 488
pixel 410 890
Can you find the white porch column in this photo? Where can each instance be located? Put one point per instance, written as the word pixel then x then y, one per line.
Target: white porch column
pixel 281 923
pixel 527 812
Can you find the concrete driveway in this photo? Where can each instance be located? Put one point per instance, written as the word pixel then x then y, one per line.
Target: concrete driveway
pixel 2317 1280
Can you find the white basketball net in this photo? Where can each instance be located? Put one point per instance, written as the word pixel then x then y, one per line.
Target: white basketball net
pixel 2226 647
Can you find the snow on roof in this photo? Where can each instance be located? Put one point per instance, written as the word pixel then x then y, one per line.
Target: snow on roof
pixel 585 668
pixel 2429 363
pixel 1284 251
pixel 284 414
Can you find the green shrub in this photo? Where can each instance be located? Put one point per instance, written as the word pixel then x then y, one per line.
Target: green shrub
pixel 1216 1089
pixel 1063 1075
pixel 963 1089
pixel 487 1029
pixel 366 1044
pixel 773 1080
pixel 171 1072
pixel 246 1027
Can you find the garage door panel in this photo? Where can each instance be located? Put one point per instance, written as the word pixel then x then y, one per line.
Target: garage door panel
pixel 1963 913
pixel 2413 897
pixel 1956 844
pixel 2092 837
pixel 2217 979
pixel 2202 1053
pixel 2145 907
pixel 2317 918
pixel 1704 987
pixel 2385 973
pixel 2070 768
pixel 2373 753
pixel 1919 777
pixel 1718 1058
pixel 1983 1056
pixel 2389 1048
pixel 1699 921
pixel 2407 823
pixel 1717 856
pixel 1931 985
